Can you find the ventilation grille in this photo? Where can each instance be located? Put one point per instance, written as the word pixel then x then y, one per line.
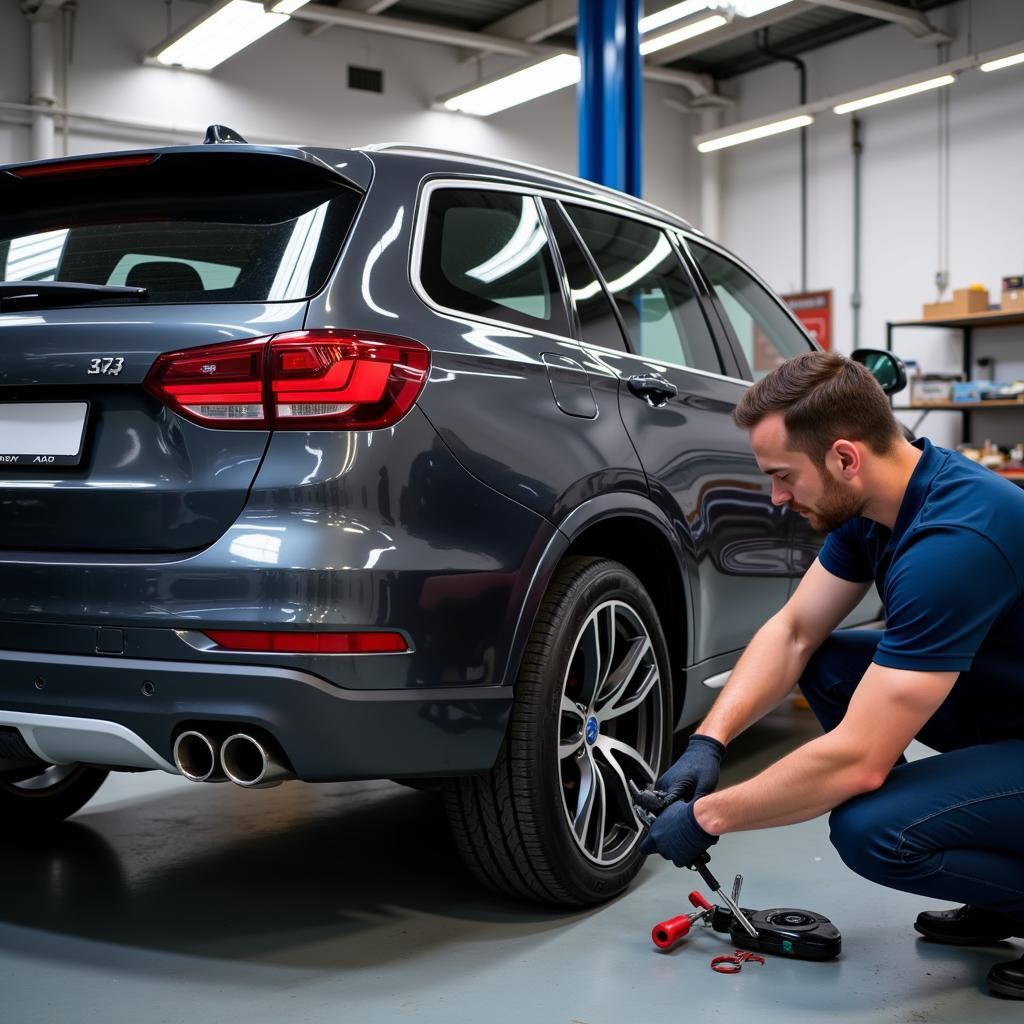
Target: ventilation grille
pixel 366 79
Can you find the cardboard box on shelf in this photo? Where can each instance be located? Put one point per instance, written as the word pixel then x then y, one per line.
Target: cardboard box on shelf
pixel 1013 293
pixel 932 388
pixel 964 302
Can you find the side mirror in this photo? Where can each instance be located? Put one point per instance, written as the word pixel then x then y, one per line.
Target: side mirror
pixel 886 367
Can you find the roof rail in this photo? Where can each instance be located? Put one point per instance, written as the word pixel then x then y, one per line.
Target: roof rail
pixel 415 149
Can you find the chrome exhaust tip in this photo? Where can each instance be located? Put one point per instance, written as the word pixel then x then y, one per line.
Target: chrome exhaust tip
pixel 250 763
pixel 196 756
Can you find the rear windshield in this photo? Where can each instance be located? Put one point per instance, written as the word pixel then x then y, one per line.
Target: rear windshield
pixel 208 228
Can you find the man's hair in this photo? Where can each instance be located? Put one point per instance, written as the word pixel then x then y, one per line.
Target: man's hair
pixel 823 396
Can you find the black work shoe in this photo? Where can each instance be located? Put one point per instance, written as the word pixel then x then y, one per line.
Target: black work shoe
pixel 1008 979
pixel 966 926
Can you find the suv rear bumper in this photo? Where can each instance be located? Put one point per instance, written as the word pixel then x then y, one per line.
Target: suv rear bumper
pixel 95 709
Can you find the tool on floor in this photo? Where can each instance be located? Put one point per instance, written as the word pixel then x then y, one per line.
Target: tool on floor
pixel 700 865
pixel 732 963
pixel 786 931
pixel 667 933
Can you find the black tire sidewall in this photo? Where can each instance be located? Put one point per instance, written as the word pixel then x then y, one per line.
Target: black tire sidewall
pixel 42 807
pixel 590 583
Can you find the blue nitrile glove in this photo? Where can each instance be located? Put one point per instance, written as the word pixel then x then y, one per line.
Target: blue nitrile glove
pixel 676 835
pixel 694 774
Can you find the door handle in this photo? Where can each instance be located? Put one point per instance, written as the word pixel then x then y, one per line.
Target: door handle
pixel 655 389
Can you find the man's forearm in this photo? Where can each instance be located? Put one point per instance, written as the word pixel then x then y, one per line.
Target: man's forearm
pixel 765 673
pixel 813 779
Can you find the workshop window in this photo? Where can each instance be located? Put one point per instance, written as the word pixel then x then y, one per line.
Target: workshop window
pixel 766 334
pixel 487 254
pixel 649 287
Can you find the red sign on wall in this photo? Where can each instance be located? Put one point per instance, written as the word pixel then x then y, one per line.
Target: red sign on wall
pixel 814 311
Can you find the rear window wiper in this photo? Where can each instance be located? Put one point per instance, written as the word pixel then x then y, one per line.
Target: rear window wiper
pixel 16 295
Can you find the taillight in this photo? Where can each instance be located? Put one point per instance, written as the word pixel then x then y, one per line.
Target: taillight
pixel 305 380
pixel 330 380
pixel 217 386
pixel 308 643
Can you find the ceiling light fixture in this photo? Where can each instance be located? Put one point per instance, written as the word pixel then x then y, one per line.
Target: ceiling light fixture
pixel 709 145
pixel 674 13
pixel 1003 62
pixel 518 87
pixel 894 94
pixel 694 28
pixel 223 32
pixel 752 8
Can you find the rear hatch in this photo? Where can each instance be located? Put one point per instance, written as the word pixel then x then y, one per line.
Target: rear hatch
pixel 183 249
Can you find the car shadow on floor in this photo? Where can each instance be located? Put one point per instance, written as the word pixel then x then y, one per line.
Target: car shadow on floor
pixel 357 873
pixel 269 875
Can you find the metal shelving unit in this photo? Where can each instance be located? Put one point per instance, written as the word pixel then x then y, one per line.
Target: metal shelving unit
pixel 967 325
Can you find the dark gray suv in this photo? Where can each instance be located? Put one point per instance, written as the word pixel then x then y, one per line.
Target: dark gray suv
pixel 339 464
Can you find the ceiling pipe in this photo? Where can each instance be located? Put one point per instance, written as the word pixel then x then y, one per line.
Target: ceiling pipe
pixel 698 85
pixel 913 21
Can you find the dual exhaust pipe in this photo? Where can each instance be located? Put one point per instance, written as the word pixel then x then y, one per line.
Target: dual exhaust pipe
pixel 241 759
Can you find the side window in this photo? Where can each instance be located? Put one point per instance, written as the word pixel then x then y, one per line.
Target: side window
pixel 486 253
pixel 767 336
pixel 598 325
pixel 649 287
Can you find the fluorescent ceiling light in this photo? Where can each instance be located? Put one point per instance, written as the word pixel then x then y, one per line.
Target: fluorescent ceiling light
pixel 229 28
pixel 760 132
pixel 1003 62
pixel 894 94
pixel 752 8
pixel 519 87
pixel 695 28
pixel 670 14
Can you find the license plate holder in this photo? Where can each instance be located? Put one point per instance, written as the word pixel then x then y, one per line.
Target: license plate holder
pixel 34 434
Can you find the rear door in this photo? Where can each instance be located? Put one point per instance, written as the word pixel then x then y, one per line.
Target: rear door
pixel 228 247
pixel 676 400
pixel 764 335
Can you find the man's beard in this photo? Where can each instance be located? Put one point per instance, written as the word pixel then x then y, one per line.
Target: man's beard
pixel 837 506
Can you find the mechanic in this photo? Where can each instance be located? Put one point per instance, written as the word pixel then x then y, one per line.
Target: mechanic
pixel 942 539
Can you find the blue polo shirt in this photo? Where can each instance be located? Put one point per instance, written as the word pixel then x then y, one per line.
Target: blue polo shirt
pixel 950 574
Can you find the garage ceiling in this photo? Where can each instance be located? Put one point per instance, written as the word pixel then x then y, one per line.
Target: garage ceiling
pixel 792 29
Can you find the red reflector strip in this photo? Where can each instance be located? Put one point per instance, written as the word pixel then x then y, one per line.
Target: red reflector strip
pixel 308 643
pixel 113 163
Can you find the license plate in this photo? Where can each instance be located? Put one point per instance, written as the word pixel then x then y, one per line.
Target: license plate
pixel 42 433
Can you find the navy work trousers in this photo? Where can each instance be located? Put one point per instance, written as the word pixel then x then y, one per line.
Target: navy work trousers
pixel 951 826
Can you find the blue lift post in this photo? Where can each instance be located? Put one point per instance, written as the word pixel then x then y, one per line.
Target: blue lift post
pixel 610 98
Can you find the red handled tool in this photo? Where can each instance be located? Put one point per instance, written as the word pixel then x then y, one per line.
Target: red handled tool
pixel 668 933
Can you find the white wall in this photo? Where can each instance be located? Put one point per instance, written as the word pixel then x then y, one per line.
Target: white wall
pixel 760 192
pixel 292 87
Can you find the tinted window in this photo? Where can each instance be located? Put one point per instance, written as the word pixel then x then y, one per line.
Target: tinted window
pixel 598 323
pixel 486 253
pixel 650 288
pixel 767 336
pixel 188 230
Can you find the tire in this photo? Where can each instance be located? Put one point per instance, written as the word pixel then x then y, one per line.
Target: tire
pixel 574 739
pixel 49 797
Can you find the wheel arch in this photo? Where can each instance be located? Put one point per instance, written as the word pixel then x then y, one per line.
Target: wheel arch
pixel 631 530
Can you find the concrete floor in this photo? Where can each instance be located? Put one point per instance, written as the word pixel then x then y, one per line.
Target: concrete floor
pixel 163 900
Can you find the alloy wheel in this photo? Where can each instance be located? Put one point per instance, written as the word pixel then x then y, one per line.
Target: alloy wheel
pixel 610 730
